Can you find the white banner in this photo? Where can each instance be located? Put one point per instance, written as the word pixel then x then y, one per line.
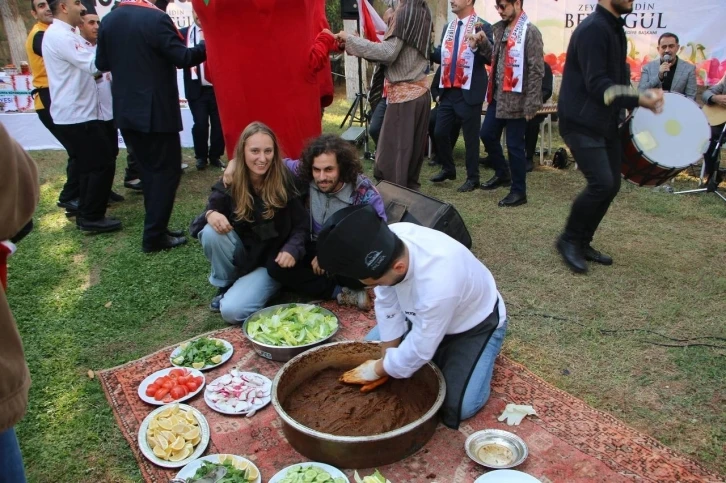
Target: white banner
pixel 180 11
pixel 15 93
pixel 698 25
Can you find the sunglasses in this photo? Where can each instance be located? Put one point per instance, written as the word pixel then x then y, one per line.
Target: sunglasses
pixel 501 6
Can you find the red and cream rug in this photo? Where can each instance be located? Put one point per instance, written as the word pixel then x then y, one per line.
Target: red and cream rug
pixel 569 442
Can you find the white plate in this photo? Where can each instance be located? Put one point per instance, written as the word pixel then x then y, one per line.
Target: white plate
pixel 506 476
pixel 191 468
pixel 198 450
pixel 265 400
pixel 150 380
pixel 225 357
pixel 332 471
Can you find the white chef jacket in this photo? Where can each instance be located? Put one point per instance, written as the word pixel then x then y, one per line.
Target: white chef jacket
pixel 447 290
pixel 103 88
pixel 70 66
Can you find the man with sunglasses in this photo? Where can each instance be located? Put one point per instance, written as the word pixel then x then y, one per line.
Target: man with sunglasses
pixel 514 96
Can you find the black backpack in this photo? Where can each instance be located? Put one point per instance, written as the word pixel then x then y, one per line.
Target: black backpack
pixel 560 159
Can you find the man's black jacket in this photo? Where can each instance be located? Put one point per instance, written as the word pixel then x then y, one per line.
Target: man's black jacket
pixel 595 62
pixel 142 49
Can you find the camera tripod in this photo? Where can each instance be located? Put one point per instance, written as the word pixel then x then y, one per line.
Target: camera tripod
pixel 356 114
pixel 712 185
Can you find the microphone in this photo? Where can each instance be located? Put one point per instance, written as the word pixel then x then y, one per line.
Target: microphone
pixel 666 58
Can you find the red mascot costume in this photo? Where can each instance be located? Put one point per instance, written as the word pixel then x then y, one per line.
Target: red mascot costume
pixel 269 62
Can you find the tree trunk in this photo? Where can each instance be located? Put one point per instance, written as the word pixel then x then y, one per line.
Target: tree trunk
pixel 351 65
pixel 15 30
pixel 439 11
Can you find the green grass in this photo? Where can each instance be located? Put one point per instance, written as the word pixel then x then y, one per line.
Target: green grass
pixel 94 302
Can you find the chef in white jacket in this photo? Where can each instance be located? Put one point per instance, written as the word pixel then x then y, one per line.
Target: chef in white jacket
pixel 435 301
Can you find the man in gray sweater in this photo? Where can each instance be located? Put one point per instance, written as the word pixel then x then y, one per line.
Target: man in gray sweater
pixel 331 177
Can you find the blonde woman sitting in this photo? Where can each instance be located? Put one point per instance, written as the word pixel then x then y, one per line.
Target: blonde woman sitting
pixel 256 219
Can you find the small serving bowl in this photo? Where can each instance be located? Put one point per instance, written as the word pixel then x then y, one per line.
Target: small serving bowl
pixel 283 353
pixel 509 450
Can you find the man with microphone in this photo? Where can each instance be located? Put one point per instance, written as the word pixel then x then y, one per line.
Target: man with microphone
pixel 668 72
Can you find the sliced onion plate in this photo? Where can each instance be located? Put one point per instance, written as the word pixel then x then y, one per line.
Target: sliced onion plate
pixel 238 393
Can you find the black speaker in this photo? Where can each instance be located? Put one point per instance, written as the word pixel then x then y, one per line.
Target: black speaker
pixel 403 204
pixel 349 9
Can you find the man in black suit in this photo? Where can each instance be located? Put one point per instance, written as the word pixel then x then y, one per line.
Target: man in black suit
pixel 463 88
pixel 142 48
pixel 455 127
pixel 203 104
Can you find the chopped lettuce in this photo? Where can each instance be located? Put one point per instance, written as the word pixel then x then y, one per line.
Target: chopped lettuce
pixel 293 325
pixel 376 477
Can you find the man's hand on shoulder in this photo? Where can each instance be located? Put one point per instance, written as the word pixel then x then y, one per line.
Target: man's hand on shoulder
pixel 228 175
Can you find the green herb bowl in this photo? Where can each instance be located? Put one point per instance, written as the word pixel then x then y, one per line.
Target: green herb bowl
pixel 283 353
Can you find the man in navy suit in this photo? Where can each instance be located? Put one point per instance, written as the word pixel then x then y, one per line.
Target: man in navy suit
pixel 203 104
pixel 463 89
pixel 142 48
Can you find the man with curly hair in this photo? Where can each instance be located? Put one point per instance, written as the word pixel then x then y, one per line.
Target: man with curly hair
pixel 331 178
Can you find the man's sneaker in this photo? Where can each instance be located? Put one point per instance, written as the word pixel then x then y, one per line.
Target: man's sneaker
pixel 357 298
pixel 214 305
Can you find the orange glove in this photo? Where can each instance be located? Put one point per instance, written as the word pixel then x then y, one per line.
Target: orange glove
pixel 365 375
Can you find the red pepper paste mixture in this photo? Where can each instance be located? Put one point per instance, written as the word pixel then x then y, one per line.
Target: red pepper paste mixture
pixel 324 404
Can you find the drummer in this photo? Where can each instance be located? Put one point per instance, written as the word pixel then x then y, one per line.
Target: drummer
pixel 434 302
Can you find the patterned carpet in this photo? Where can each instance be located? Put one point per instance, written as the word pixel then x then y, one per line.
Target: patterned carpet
pixel 569 442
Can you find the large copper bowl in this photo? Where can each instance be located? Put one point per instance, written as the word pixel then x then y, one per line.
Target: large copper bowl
pixel 352 451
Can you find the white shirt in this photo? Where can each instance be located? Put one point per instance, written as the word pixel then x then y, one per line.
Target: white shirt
pixel 70 66
pixel 103 88
pixel 194 39
pixel 462 31
pixel 446 291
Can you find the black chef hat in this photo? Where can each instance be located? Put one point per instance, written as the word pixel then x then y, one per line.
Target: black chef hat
pixel 355 242
pixel 89 6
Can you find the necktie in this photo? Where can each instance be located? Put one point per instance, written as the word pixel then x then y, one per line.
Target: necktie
pixel 452 70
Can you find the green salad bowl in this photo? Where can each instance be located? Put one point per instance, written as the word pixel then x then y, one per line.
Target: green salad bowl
pixel 283 353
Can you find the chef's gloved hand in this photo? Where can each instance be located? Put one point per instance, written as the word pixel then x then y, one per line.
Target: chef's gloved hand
pixel 515 413
pixel 365 375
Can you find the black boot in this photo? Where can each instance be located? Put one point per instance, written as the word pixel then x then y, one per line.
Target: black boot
pixel 592 255
pixel 572 255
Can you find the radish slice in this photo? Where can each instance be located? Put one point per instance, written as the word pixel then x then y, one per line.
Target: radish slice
pixel 239 392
